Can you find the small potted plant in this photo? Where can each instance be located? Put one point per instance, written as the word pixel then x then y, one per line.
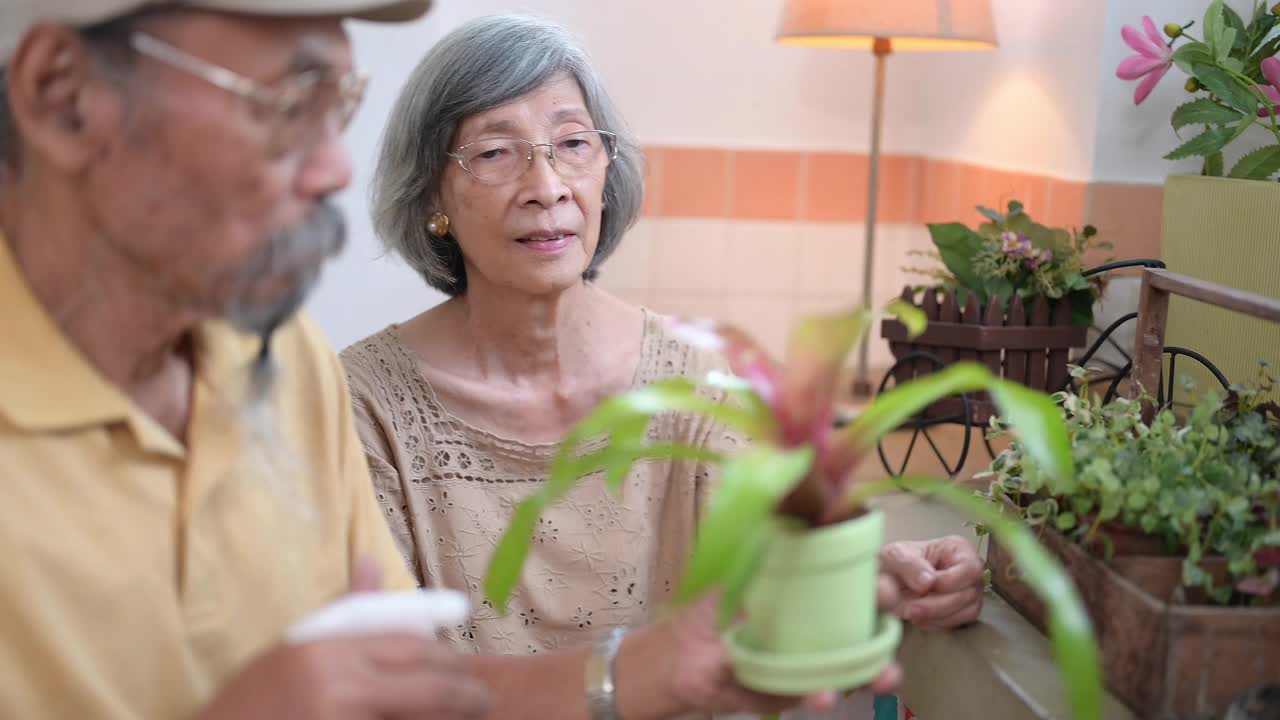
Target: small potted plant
pixel 788 535
pixel 1230 124
pixel 1172 526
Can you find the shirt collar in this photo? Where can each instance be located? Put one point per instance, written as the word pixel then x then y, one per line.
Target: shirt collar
pixel 47 384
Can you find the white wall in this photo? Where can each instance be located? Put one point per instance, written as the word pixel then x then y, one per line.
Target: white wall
pixel 1030 105
pixel 707 73
pixel 701 73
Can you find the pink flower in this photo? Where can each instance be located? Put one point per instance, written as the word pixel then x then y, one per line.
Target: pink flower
pixel 1039 258
pixel 1016 245
pixel 1271 71
pixel 1153 59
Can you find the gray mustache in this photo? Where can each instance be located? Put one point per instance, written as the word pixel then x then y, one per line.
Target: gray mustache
pixel 298 253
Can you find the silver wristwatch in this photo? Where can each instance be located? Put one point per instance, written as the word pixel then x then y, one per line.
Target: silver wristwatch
pixel 601 703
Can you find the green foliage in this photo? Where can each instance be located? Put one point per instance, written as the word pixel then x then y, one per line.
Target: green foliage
pixel 1209 486
pixel 1010 256
pixel 751 500
pixel 1259 164
pixel 1226 65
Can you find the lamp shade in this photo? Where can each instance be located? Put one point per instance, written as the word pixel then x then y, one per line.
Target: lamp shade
pixel 909 24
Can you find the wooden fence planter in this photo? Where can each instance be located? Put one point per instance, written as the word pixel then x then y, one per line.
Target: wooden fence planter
pixel 1167 658
pixel 1029 345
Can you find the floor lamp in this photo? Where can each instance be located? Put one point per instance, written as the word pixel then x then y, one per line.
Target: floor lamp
pixel 884 26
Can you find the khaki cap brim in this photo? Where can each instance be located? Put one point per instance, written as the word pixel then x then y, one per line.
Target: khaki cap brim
pixel 18 16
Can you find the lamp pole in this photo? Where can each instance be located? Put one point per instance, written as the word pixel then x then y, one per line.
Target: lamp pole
pixel 882 47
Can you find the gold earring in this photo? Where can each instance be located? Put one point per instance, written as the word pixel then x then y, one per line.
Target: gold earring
pixel 438 224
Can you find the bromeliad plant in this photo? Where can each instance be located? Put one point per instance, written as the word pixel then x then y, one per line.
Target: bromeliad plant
pixel 1010 256
pixel 798 474
pixel 1234 72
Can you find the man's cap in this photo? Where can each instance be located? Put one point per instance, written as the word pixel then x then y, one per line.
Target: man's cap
pixel 19 16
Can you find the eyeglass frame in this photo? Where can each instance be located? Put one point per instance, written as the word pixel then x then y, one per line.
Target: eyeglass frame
pixel 460 155
pixel 281 102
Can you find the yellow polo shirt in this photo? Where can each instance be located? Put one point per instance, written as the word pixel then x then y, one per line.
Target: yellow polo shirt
pixel 136 575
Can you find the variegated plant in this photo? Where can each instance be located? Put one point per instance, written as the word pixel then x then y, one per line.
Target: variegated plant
pixel 799 467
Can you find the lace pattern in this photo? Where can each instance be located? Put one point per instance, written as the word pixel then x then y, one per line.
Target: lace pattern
pixel 448 490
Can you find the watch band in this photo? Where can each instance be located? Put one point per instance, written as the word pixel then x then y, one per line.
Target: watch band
pixel 601 702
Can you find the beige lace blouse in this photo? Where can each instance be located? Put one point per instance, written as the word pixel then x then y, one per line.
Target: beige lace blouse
pixel 448 490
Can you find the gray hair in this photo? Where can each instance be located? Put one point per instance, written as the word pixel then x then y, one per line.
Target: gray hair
pixel 483 64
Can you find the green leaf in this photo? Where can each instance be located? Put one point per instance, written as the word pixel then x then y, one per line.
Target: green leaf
pixel 1227 42
pixel 671 395
pixel 1204 112
pixel 1259 164
pixel 991 215
pixel 751 486
pixel 1035 417
pixel 1081 308
pixel 1002 288
pixel 1213 165
pixel 1238 35
pixel 894 407
pixel 909 315
pixel 742 567
pixel 1192 54
pixel 621 419
pixel 1206 143
pixel 1228 89
pixel 508 558
pixel 744 394
pixel 815 352
pixel 1214 27
pixel 1040 428
pixel 1070 630
pixel 958 245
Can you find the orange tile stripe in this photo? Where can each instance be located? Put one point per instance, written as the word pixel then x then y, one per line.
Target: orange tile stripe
pixel 832 187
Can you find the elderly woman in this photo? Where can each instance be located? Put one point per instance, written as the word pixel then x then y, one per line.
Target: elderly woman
pixel 507 179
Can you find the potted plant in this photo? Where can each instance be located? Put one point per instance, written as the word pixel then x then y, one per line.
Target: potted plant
pixel 1229 122
pixel 1012 256
pixel 788 535
pixel 1172 532
pixel 1010 294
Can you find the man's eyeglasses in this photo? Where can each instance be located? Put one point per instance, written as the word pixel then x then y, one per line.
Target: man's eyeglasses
pixel 296 111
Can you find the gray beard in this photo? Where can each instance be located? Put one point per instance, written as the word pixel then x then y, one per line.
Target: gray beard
pixel 298 253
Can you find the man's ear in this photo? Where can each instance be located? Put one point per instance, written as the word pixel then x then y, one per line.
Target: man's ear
pixel 63 109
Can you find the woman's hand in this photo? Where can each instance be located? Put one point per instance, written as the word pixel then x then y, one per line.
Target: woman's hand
pixel 939 581
pixel 681 666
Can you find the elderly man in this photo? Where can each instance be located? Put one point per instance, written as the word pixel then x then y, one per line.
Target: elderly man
pixel 181 476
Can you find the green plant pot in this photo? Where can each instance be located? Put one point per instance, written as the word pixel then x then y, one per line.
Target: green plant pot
pixel 812 622
pixel 1222 230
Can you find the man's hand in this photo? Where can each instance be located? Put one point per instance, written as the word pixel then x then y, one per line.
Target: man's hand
pixel 368 677
pixel 353 678
pixel 939 582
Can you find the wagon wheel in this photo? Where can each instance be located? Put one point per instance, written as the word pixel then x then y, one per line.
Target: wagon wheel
pixel 1168 384
pixel 921 423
